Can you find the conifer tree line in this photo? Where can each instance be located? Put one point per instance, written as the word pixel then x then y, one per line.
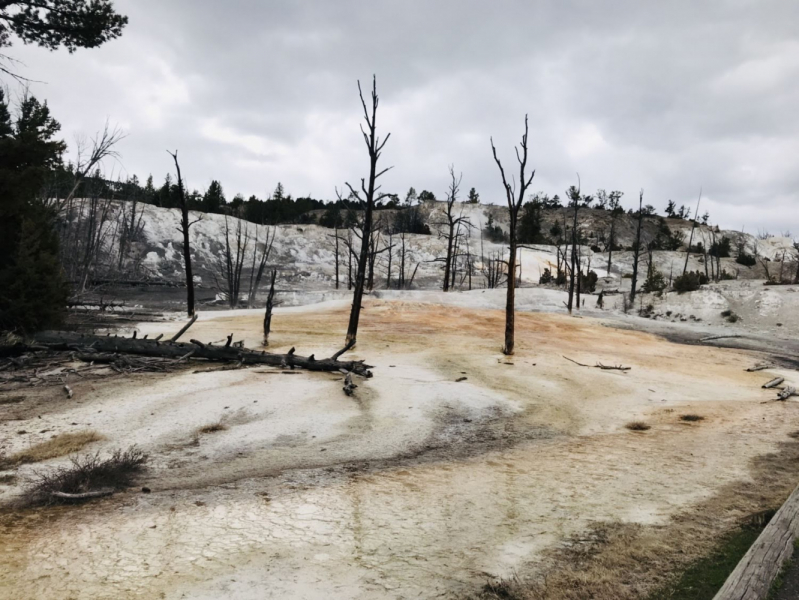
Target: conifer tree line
pixel 33 291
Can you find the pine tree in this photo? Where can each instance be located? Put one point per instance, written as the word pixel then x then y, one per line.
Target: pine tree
pixel 279 193
pixel 214 198
pixel 474 197
pixel 32 291
pixel 411 198
pixel 149 191
pixel 54 24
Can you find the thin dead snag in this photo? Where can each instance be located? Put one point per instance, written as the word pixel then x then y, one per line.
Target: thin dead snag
pixel 691 237
pixel 452 229
pixel 261 260
pixel 231 265
pixel 514 204
pixel 184 226
pixel 370 197
pixel 574 270
pixel 270 299
pixel 183 329
pixel 102 147
pixel 637 247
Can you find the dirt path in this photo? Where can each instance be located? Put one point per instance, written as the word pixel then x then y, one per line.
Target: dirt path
pixel 417 487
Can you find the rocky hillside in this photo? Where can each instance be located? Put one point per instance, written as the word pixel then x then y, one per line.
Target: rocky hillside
pixel 305 254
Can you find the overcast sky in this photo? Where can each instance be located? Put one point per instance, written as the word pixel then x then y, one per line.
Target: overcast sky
pixel 664 96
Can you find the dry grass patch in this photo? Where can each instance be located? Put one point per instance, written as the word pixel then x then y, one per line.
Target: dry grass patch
pixel 60 445
pixel 691 418
pixel 88 474
pixel 213 427
pixel 638 426
pixel 9 479
pixel 11 399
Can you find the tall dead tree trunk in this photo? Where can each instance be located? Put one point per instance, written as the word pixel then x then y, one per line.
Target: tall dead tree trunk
pixel 337 254
pixel 369 198
pixel 614 205
pixel 514 204
pixel 261 262
pixel 270 300
pixel 574 194
pixel 796 277
pixel 637 248
pixel 691 237
pixel 452 225
pixel 350 252
pixel 184 226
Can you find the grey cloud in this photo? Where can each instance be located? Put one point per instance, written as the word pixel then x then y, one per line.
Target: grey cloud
pixel 666 96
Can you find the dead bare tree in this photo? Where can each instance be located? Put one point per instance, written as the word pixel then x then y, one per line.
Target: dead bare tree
pixel 637 246
pixel 514 204
pixel 574 196
pixel 452 225
pixel 494 270
pixel 614 206
pixel 131 225
pixel 270 302
pixel 336 253
pixel 370 197
pixel 691 237
pixel 184 227
pixel 102 147
pixel 231 264
pixel 796 248
pixel 257 274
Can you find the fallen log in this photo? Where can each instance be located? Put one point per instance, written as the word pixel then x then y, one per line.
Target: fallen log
pixel 719 337
pixel 758 368
pixel 70 341
pixel 773 383
pixel 786 393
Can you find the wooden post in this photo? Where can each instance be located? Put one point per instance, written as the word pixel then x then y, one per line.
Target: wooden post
pixel 752 578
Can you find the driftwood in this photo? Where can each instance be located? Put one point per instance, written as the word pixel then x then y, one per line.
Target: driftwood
pixel 183 330
pixel 758 368
pixel 752 578
pixel 611 368
pixel 85 344
pixel 349 387
pixel 83 495
pixel 786 393
pixel 719 337
pixel 599 365
pixel 773 383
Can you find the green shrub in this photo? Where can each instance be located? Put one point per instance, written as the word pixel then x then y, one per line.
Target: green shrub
pixel 588 281
pixel 655 282
pixel 746 260
pixel 689 282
